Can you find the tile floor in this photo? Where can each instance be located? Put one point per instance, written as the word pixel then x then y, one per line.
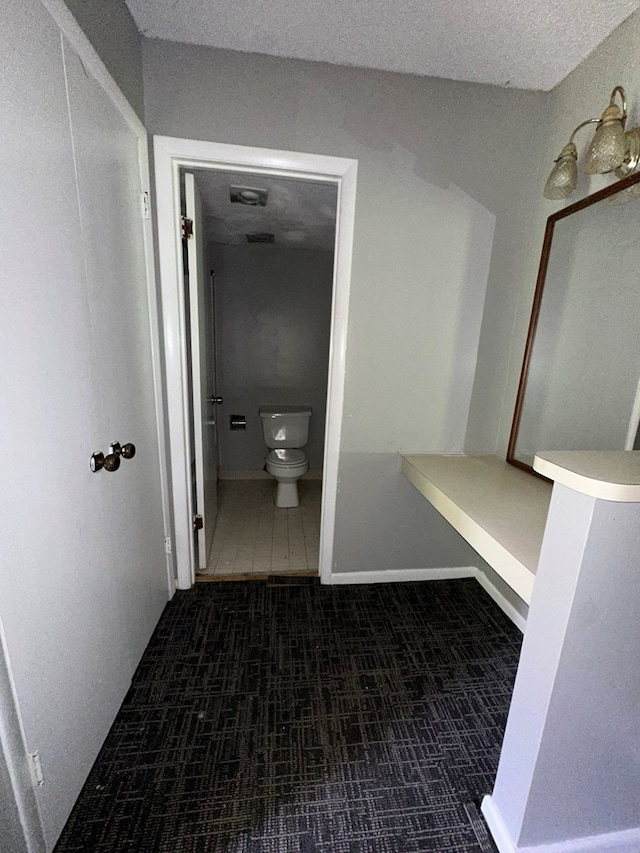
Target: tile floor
pixel 255 537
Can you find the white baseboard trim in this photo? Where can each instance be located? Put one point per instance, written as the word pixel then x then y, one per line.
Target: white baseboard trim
pixel 229 474
pixel 403 575
pixel 503 603
pixel 498 830
pixel 625 841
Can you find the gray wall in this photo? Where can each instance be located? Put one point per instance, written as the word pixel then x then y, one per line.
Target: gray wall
pixel 273 309
pixel 111 30
pixel 441 183
pixel 583 94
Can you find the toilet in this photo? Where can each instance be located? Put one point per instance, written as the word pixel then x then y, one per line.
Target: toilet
pixel 285 430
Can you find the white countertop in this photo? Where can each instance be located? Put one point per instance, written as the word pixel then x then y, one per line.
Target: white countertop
pixel 499 509
pixel 502 511
pixel 611 475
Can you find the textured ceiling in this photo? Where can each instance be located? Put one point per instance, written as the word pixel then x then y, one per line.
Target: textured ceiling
pixel 517 43
pixel 300 214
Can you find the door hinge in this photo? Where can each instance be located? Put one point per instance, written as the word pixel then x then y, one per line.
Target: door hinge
pixel 35 766
pixel 198 522
pixel 167 545
pixel 187 228
pixel 144 204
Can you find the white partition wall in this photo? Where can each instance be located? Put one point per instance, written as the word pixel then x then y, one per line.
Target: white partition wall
pixel 568 778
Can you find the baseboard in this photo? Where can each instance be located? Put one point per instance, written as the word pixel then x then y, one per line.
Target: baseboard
pixel 625 841
pixel 230 474
pixel 227 474
pixel 502 601
pixel 501 837
pixel 403 575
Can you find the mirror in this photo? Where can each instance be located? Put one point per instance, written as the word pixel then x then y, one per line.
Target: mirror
pixel 580 380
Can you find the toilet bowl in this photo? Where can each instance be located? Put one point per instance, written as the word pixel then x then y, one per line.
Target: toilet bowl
pixel 285 430
pixel 287 466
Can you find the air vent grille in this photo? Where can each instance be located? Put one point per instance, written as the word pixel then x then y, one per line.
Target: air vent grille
pixel 260 238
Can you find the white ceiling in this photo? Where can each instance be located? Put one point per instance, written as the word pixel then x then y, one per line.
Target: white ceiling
pixel 517 43
pixel 300 214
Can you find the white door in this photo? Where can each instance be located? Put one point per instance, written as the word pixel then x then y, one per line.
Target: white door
pixel 85 579
pixel 205 434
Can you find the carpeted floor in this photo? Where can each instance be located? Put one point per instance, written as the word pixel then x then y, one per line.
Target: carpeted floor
pixel 288 716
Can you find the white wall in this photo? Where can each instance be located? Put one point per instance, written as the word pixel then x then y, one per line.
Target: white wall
pixel 568 770
pixel 84 577
pixel 273 308
pixel 438 164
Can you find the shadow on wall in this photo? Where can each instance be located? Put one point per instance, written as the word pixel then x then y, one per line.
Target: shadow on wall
pixel 475 244
pixel 391 528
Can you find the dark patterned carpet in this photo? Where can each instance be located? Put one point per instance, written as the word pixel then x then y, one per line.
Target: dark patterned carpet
pixel 289 716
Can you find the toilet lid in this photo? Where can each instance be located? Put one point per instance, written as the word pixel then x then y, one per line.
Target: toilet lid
pixel 287 456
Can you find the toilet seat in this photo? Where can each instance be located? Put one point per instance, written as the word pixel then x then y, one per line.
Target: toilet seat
pixel 286 457
pixel 287 465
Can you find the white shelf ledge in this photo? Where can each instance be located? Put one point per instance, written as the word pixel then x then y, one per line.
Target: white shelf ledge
pixel 610 475
pixel 500 510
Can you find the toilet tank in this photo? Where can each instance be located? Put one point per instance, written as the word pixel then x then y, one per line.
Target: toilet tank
pixel 285 426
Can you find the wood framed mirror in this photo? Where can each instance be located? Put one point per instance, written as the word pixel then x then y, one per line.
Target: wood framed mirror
pixel 580 380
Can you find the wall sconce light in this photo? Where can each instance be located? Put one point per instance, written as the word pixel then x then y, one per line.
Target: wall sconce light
pixel 611 149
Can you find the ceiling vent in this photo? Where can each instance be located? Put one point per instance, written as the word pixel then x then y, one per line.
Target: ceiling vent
pixel 248 195
pixel 260 238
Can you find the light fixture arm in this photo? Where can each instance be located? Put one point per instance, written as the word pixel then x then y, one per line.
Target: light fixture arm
pixel 584 124
pixel 618 90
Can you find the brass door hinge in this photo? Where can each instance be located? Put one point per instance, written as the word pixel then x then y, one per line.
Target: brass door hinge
pixel 187 228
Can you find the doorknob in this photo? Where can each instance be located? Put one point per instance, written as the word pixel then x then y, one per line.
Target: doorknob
pixel 214 399
pixel 127 451
pixel 111 462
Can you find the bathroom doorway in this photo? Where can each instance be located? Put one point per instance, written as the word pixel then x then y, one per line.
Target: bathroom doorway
pixel 259 284
pixel 173 157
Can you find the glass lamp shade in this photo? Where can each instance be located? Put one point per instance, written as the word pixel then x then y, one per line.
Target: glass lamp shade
pixel 564 175
pixel 632 153
pixel 608 146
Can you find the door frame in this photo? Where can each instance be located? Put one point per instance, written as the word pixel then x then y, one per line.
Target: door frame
pixel 203 379
pixel 16 785
pixel 171 154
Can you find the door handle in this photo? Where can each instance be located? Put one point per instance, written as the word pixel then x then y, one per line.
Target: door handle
pixel 111 462
pixel 214 400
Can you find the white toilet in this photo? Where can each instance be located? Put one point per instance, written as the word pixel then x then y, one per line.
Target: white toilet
pixel 285 430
